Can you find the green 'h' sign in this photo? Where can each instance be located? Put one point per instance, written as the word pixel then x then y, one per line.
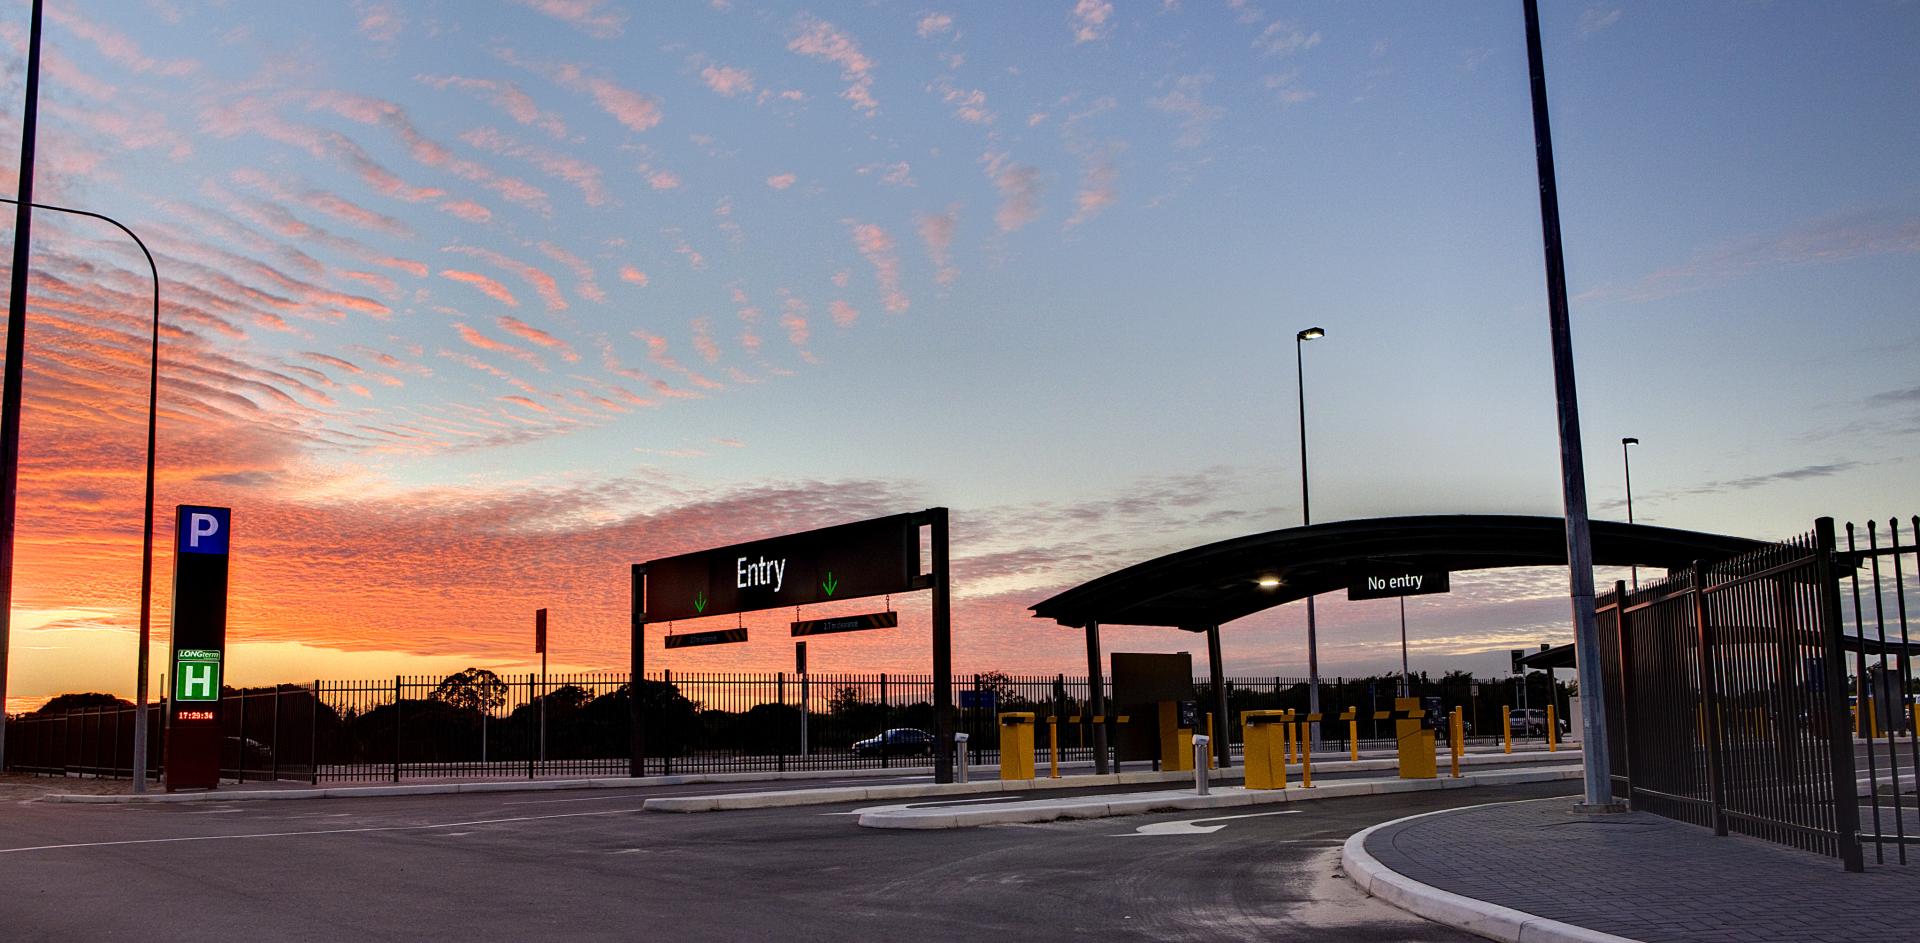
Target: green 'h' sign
pixel 196 675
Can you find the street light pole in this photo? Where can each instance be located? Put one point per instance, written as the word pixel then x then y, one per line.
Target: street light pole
pixel 1406 677
pixel 1586 636
pixel 1306 517
pixel 146 545
pixel 16 352
pixel 1627 463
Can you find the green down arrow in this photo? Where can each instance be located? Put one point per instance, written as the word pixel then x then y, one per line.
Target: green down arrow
pixel 830 584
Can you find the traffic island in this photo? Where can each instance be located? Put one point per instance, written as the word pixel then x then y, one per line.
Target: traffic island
pixel 1537 871
pixel 1033 811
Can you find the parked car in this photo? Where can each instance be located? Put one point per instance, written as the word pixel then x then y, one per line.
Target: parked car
pixel 900 741
pixel 1532 722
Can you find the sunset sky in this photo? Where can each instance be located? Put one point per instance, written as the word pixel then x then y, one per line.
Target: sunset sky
pixel 469 305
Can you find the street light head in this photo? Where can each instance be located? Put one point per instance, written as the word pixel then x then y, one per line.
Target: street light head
pixel 1629 440
pixel 1269 582
pixel 1312 333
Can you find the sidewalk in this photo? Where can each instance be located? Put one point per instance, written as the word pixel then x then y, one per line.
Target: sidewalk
pixel 1537 871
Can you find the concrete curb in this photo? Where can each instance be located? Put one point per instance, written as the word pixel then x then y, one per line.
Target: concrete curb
pixel 1094 807
pixel 982 773
pixel 729 802
pixel 1473 915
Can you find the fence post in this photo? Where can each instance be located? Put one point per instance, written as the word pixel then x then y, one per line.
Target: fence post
pixel 313 738
pixel 1846 799
pixel 666 755
pixel 532 753
pixel 396 728
pixel 240 745
pixel 780 698
pixel 885 720
pixel 1621 626
pixel 1710 700
pixel 275 763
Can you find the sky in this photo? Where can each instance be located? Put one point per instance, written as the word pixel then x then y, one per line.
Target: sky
pixel 467 306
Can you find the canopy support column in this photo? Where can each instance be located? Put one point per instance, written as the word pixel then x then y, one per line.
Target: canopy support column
pixel 1223 722
pixel 1096 699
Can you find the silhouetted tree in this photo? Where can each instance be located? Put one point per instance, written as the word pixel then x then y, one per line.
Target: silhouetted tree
pixel 475 689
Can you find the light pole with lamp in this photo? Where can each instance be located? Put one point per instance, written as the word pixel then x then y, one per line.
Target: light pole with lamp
pixel 1627 464
pixel 1306 517
pixel 146 546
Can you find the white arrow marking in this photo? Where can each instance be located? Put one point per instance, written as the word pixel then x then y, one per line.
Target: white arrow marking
pixel 1193 826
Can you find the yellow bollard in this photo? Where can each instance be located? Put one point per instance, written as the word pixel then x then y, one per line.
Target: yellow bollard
pixel 1506 728
pixel 1353 733
pixel 1286 736
pixel 1553 731
pixel 1306 757
pixel 1053 748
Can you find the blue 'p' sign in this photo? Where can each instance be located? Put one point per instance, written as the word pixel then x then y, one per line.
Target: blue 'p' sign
pixel 201 529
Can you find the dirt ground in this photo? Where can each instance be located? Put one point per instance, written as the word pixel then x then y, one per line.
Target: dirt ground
pixel 15 787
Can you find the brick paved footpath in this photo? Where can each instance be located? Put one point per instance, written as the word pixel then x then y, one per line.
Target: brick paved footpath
pixel 1648 878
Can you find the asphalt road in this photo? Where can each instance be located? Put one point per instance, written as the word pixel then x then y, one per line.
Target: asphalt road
pixel 591 866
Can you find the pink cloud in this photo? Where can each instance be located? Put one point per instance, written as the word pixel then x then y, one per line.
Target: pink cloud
pixel 491 288
pixel 1019 187
pixel 331 204
pixel 468 210
pixel 630 274
pixel 425 150
pixel 588 16
pixel 572 170
pixel 936 231
pixel 116 47
pixel 1090 20
pixel 509 98
pixel 663 180
pixel 893 175
pixel 525 331
pixel 819 39
pixel 1097 190
pixel 876 246
pixel 727 80
pixel 546 285
pixel 969 105
pixel 843 314
pixel 781 181
pixel 483 342
pixel 703 340
pixel 933 24
pixel 657 352
pixel 793 317
pixel 379 22
pixel 585 283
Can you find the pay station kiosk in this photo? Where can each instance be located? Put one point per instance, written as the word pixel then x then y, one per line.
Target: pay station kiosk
pixel 1156 693
pixel 1414 721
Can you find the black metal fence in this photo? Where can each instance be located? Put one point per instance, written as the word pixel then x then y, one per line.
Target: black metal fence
pixel 1883 693
pixel 1730 690
pixel 478 724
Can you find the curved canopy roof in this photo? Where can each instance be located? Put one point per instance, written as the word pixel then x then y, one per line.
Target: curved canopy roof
pixel 1218 582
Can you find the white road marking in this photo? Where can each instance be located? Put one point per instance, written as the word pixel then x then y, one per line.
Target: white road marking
pixel 325 831
pixel 1193 826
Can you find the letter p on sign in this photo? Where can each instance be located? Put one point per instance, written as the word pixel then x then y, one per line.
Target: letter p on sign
pixel 203 529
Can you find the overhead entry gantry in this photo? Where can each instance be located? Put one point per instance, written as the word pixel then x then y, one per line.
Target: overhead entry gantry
pixel 1202 588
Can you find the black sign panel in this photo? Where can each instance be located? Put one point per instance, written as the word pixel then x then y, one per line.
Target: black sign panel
pixel 197 667
pixel 865 558
pixel 716 637
pixel 872 620
pixel 1386 584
